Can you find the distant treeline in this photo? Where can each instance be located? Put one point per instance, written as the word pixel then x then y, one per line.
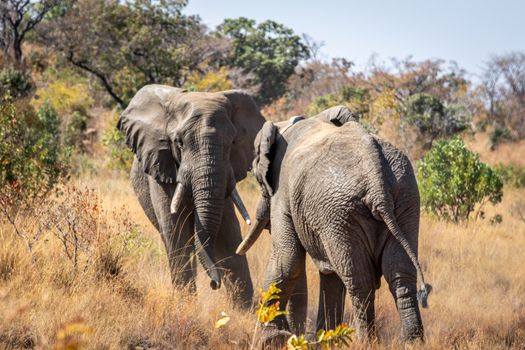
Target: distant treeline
pixel 109 49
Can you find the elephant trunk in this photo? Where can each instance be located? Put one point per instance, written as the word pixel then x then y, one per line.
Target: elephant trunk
pixel 208 194
pixel 262 219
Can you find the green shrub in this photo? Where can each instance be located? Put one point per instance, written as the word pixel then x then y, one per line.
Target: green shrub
pixel 15 82
pixel 433 118
pixel 356 98
pixel 120 156
pixel 32 159
pixel 74 130
pixel 268 310
pixel 498 135
pixel 452 180
pixel 511 175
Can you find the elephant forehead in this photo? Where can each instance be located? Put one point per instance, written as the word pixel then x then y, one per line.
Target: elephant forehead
pixel 203 102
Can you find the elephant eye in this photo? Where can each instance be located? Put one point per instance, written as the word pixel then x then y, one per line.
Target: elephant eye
pixel 178 142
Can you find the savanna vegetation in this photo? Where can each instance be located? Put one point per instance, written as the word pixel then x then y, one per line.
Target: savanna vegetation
pixel 82 267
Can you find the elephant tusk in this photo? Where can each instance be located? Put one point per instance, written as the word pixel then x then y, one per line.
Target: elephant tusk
pixel 177 198
pixel 252 236
pixel 240 206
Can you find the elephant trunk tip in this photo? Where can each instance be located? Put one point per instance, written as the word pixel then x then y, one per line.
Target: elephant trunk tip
pixel 422 294
pixel 215 284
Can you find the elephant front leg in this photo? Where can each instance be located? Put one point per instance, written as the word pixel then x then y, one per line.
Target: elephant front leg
pixel 180 248
pixel 238 282
pixel 177 234
pixel 331 301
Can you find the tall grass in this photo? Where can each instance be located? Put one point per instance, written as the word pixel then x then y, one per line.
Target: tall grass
pixel 477 270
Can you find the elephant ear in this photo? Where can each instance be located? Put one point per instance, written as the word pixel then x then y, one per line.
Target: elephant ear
pixel 248 120
pixel 338 115
pixel 262 161
pixel 144 125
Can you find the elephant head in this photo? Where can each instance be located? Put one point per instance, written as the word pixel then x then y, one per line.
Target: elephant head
pixel 203 143
pixel 262 169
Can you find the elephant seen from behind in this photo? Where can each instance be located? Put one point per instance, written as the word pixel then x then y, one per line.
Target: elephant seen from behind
pixel 348 199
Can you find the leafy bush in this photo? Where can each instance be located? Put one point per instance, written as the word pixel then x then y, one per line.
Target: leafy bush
pixel 69 97
pixel 355 98
pixel 511 175
pixel 498 135
pixel 268 310
pixel 64 96
pixel 211 81
pixel 452 180
pixel 32 158
pixel 74 130
pixel 120 156
pixel 433 118
pixel 15 82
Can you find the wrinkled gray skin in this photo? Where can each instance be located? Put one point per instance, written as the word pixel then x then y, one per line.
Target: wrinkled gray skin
pixel 201 143
pixel 349 200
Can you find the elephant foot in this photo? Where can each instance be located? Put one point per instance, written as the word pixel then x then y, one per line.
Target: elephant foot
pixel 411 324
pixel 272 338
pixel 413 334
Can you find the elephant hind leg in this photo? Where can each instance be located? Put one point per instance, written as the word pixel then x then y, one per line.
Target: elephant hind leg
pixel 354 266
pixel 400 275
pixel 363 313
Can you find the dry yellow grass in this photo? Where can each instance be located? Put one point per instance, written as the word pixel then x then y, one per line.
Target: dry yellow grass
pixel 477 271
pixel 506 153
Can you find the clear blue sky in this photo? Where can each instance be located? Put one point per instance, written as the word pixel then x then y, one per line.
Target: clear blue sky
pixel 466 31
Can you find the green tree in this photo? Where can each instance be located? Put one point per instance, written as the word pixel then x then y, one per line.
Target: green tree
pixel 18 18
pixel 114 141
pixel 452 180
pixel 434 119
pixel 32 159
pixel 357 99
pixel 269 50
pixel 15 82
pixel 126 45
pixel 503 91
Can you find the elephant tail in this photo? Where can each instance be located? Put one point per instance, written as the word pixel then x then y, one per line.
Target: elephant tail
pixel 424 288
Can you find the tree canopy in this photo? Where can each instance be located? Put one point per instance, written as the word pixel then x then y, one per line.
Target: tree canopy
pixel 126 45
pixel 268 49
pixel 17 19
